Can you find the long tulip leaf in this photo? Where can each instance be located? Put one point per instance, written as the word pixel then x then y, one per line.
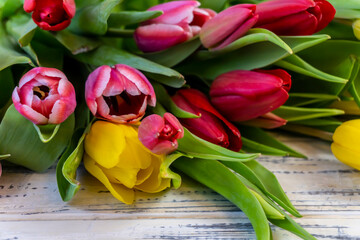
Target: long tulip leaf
pixel 16 132
pixel 216 5
pixel 251 146
pixel 196 147
pixel 163 97
pixel 324 124
pixel 296 113
pixel 111 56
pixel 291 226
pixel 174 55
pixel 303 99
pixel 9 7
pixel 216 176
pixel 261 137
pixel 47 132
pixel 299 43
pixel 166 172
pixel 22 27
pixel 123 18
pixel 76 44
pixel 67 166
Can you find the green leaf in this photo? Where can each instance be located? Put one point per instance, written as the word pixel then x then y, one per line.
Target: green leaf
pixel 166 172
pixel 123 18
pixel 303 99
pixel 164 99
pixel 9 7
pixel 250 57
pixel 339 29
pixel 324 124
pixel 16 132
pixel 5 156
pixel 291 226
pixel 76 44
pixel 259 135
pixel 270 211
pixel 251 146
pixel 265 180
pixel 216 176
pixel 92 19
pixel 216 5
pixel 22 27
pixel 68 164
pixel 47 132
pixel 348 13
pixel 48 56
pixel 296 113
pixel 348 4
pixel 6 86
pixel 111 56
pixel 196 147
pixel 139 5
pixel 174 55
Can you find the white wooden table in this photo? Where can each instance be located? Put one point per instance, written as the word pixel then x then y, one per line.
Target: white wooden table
pixel 324 190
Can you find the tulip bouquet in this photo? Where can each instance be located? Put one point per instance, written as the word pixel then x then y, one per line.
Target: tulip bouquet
pixel 143 91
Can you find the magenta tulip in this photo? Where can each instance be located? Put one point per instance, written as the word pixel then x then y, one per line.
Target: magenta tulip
pixel 294 17
pixel 44 96
pixel 243 95
pixel 210 126
pixel 51 15
pixel 119 94
pixel 228 26
pixel 180 21
pixel 159 134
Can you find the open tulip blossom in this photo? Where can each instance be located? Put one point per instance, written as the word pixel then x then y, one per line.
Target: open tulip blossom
pixel 119 94
pixel 294 17
pixel 51 15
pixel 180 21
pixel 243 95
pixel 44 96
pixel 160 134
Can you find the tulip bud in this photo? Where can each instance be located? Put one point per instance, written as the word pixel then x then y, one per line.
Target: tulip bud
pixel 346 143
pixel 356 28
pixel 45 96
pixel 180 21
pixel 294 17
pixel 119 94
pixel 159 134
pixel 243 95
pixel 51 15
pixel 267 121
pixel 211 126
pixel 228 26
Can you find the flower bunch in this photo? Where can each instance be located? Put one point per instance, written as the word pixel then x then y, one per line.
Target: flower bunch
pixel 138 92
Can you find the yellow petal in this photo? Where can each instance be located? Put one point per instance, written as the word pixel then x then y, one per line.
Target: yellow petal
pixel 105 143
pixel 155 183
pixel 125 176
pixel 119 191
pixel 356 27
pixel 348 135
pixel 346 155
pixel 144 174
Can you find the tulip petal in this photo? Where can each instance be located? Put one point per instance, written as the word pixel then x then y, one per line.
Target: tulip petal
pixel 270 11
pixel 347 135
pixel 144 174
pixel 100 144
pixel 328 13
pixel 29 5
pixel 60 112
pixel 125 176
pixel 223 25
pixel 282 74
pixel 157 37
pixel 267 121
pixel 149 130
pixel 174 12
pixel 119 191
pixel 346 155
pixel 31 114
pixel 69 7
pixel 174 123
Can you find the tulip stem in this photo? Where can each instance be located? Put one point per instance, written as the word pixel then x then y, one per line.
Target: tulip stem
pixel 313 132
pixel 117 32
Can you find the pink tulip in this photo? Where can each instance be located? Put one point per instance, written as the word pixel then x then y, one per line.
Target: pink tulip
pixel 159 134
pixel 211 126
pixel 51 15
pixel 243 95
pixel 45 96
pixel 267 121
pixel 294 17
pixel 228 26
pixel 180 21
pixel 119 94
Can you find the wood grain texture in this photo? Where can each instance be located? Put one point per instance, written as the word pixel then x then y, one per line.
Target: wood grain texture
pixel 324 190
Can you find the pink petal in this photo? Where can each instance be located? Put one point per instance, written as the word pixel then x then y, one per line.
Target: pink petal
pixel 69 7
pixel 157 37
pixel 29 5
pixel 149 130
pixel 267 121
pixel 60 112
pixel 175 124
pixel 165 147
pixel 30 114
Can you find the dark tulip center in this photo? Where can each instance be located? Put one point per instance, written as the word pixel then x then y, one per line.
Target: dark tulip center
pixel 124 103
pixel 168 133
pixel 52 15
pixel 41 91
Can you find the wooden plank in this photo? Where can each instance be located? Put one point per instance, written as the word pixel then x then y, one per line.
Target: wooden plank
pixel 324 190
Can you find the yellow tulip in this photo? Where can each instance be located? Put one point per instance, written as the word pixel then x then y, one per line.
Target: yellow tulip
pixel 356 28
pixel 116 157
pixel 346 145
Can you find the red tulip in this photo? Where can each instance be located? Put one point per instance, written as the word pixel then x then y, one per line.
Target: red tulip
pixel 243 95
pixel 159 134
pixel 45 96
pixel 267 121
pixel 51 15
pixel 119 94
pixel 180 21
pixel 228 26
pixel 294 17
pixel 211 126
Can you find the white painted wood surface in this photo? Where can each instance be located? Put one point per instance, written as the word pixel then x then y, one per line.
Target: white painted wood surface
pixel 324 190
